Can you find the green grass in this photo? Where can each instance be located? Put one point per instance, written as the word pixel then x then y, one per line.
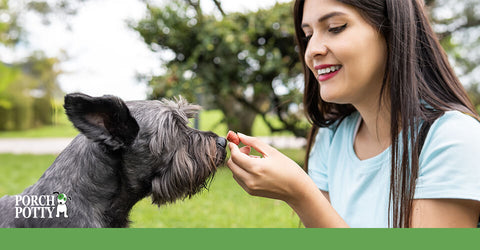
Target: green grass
pixel 210 120
pixel 224 205
pixel 20 171
pixel 62 128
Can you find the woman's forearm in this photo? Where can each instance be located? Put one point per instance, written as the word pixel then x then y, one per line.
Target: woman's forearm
pixel 314 209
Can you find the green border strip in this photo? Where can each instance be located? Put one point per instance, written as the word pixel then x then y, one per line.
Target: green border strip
pixel 241 238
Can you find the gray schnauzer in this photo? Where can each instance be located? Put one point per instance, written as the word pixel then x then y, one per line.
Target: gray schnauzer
pixel 125 152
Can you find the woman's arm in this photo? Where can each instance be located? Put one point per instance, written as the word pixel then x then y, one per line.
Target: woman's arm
pixel 276 176
pixel 440 213
pixel 314 209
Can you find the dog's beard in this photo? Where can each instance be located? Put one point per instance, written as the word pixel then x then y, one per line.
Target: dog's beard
pixel 191 169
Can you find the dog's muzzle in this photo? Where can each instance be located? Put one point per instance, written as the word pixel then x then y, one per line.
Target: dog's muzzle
pixel 221 142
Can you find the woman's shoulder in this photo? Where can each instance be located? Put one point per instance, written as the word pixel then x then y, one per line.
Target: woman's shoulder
pixel 455 128
pixel 455 122
pixel 449 163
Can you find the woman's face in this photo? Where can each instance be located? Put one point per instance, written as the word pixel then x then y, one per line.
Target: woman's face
pixel 345 53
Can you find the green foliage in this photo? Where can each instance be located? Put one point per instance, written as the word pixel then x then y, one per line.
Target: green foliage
pixel 474 94
pixel 458 29
pixel 59 126
pixel 234 63
pixel 28 88
pixel 464 43
pixel 43 111
pixel 8 75
pixel 10 31
pixel 27 92
pixel 22 114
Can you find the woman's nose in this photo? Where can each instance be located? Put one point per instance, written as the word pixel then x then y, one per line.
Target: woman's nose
pixel 316 47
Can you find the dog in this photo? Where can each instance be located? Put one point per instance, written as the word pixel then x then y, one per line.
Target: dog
pixel 62 206
pixel 125 151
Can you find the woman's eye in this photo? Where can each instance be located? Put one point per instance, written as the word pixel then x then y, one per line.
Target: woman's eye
pixel 337 29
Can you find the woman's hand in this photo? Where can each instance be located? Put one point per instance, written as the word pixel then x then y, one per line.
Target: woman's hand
pixel 273 175
pixel 276 176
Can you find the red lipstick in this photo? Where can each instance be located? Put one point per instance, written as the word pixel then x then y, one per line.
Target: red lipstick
pixel 327 71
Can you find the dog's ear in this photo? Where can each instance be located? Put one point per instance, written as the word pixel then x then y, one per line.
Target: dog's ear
pixel 106 120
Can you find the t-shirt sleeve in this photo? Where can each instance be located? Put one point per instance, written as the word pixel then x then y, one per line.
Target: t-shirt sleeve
pixel 317 167
pixel 450 159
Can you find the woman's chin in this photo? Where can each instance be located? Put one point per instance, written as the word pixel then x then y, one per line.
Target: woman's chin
pixel 332 98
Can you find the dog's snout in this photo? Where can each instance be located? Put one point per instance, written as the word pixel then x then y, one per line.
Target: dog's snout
pixel 222 142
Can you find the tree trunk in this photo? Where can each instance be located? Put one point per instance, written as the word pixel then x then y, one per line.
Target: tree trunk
pixel 237 117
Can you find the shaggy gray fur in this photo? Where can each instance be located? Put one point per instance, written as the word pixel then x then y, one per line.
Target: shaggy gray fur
pixel 125 152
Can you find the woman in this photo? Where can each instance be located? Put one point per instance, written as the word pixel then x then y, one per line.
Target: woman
pixel 394 137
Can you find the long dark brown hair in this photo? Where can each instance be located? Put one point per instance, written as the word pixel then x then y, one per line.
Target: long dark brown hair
pixel 418 79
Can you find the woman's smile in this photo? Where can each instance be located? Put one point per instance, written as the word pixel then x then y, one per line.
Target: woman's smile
pixel 325 72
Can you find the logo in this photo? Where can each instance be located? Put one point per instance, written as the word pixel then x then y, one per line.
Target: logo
pixel 62 206
pixel 41 206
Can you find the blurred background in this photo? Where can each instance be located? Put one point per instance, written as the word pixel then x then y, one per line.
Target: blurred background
pixel 236 58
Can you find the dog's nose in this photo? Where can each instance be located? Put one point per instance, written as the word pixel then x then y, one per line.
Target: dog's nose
pixel 222 142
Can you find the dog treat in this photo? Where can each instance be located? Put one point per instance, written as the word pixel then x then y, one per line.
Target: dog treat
pixel 233 137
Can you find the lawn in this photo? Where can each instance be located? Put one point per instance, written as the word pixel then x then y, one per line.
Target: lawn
pixel 223 205
pixel 62 128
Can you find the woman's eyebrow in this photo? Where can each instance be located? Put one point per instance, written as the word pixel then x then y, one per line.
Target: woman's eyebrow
pixel 325 17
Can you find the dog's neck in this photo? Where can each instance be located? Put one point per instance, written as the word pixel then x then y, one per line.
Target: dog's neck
pixel 96 184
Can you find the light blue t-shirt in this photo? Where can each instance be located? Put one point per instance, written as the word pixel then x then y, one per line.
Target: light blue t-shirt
pixel 359 189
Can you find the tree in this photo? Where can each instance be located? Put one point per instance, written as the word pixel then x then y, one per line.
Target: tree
pixel 9 29
pixel 27 87
pixel 26 92
pixel 243 63
pixel 458 29
pixel 11 13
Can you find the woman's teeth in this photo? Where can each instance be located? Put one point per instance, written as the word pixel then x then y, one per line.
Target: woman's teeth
pixel 328 70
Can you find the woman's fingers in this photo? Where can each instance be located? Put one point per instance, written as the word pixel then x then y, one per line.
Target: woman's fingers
pixel 239 174
pixel 257 144
pixel 246 150
pixel 240 157
pixel 236 170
